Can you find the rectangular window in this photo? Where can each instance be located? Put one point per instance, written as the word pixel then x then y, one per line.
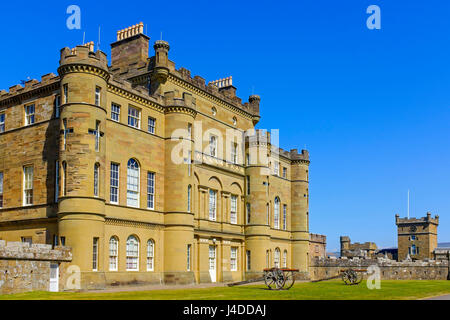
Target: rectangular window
pixel 115 112
pixel 2 122
pixel 98 92
pixel 213 146
pixel 134 117
pixel 29 114
pixel 66 131
pixel 66 93
pixel 55 240
pixel 212 205
pixel 284 217
pixel 249 262
pixel 95 254
pixel 97 136
pixel 248 185
pixel 64 178
pixel 276 168
pixel 151 125
pixel 233 259
pixel 63 241
pixel 96 178
pixel 233 211
pixel 190 131
pixel 188 262
pixel 248 212
pixel 150 190
pixel 1 189
pixel 285 173
pixel 248 159
pixel 57 105
pixel 27 186
pixel 189 198
pixel 28 240
pixel 114 183
pixel 234 152
pixel 56 181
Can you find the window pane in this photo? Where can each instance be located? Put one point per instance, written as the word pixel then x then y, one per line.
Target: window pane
pixel 151 190
pixel 133 183
pixel 114 182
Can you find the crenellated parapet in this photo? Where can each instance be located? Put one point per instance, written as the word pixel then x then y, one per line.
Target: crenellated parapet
pixel 83 60
pixel 49 82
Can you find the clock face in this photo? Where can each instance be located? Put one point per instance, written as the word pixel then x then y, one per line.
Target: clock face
pixel 413 228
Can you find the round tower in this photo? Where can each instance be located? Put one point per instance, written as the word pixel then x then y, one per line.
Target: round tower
pixel 81 214
pixel 160 70
pixel 179 181
pixel 257 229
pixel 300 209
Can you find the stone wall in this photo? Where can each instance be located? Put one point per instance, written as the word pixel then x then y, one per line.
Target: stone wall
pixel 27 268
pixel 390 269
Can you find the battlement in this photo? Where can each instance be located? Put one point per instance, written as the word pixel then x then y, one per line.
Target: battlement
pixel 423 220
pixel 83 55
pixel 30 86
pixel 320 238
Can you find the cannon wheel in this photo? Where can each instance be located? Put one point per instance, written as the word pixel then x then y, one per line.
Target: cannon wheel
pixel 289 279
pixel 350 277
pixel 274 279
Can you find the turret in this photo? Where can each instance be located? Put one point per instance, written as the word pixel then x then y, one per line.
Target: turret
pixel 254 101
pixel 81 208
pixel 179 182
pixel 300 209
pixel 160 70
pixel 257 227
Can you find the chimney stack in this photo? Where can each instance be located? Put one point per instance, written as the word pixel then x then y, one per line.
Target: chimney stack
pixel 131 48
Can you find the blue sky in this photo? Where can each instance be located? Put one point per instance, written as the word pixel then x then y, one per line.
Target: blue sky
pixel 371 106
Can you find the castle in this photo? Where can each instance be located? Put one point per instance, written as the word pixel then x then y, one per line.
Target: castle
pixel 148 174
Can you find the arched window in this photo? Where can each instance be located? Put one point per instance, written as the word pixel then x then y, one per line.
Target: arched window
pixel 113 253
pixel 267 259
pixel 189 198
pixel 276 213
pixel 96 175
pixel 133 183
pixel 285 259
pixel 132 254
pixel 150 255
pixel 276 258
pixel 284 217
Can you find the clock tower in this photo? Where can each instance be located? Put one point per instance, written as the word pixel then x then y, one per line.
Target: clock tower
pixel 417 237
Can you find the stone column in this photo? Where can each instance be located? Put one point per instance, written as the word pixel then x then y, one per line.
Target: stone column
pixel 225 207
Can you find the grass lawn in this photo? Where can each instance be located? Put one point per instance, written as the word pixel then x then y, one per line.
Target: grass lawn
pixel 331 290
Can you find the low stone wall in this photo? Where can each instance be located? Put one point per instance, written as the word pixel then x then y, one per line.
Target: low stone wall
pixel 390 269
pixel 27 268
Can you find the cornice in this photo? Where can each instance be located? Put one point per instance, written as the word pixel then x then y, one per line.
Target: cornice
pixel 84 68
pixel 183 83
pixel 134 97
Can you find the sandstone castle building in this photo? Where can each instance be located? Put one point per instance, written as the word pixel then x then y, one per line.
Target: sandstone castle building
pixel 417 237
pixel 91 159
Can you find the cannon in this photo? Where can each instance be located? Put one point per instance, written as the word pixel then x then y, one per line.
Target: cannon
pixel 348 276
pixel 274 278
